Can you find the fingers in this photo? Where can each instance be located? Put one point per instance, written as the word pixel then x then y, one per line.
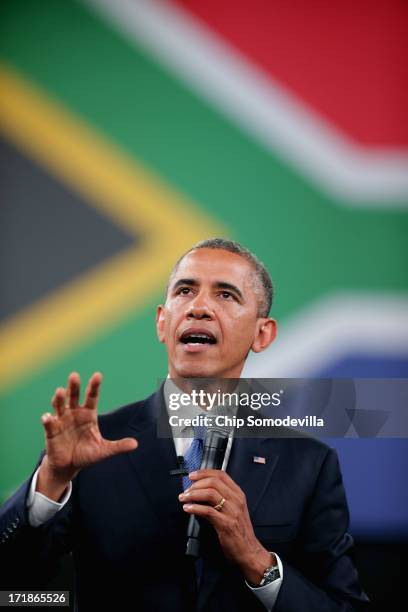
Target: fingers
pixel 209 496
pixel 73 390
pixel 58 401
pixel 125 445
pixel 70 397
pixel 217 519
pixel 92 391
pixel 215 484
pixel 219 475
pixel 209 487
pixel 67 397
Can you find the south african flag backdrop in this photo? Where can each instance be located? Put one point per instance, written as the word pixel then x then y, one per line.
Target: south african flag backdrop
pixel 130 129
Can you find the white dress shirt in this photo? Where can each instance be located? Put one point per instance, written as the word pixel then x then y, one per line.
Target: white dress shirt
pixel 41 508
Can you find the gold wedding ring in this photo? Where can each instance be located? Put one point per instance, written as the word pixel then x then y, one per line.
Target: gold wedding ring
pixel 220 505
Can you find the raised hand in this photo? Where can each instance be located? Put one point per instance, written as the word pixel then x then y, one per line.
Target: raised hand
pixel 72 436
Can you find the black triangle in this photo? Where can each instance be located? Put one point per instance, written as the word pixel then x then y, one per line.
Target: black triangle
pixel 50 234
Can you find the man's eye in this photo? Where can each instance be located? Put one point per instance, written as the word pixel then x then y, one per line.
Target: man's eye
pixel 184 291
pixel 226 294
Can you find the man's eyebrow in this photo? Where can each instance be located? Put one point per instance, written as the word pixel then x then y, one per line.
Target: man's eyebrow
pixel 191 282
pixel 225 285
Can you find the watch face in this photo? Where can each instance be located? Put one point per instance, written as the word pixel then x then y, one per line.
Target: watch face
pixel 271 575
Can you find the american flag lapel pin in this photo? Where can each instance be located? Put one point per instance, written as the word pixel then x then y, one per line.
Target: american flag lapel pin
pixel 259 460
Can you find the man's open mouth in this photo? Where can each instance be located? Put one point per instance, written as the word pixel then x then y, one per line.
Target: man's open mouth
pixel 197 338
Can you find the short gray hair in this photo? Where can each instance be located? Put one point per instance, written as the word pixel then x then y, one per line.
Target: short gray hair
pixel 262 277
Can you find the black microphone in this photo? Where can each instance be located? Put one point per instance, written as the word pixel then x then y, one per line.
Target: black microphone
pixel 215 445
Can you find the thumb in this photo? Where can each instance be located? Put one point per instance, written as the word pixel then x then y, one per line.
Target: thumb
pixel 125 445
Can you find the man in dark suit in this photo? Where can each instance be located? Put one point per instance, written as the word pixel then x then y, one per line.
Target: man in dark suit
pixel 274 530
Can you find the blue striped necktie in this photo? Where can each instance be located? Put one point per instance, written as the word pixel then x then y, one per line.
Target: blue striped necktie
pixel 193 456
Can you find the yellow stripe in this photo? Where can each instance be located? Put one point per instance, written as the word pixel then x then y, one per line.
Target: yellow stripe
pixel 117 186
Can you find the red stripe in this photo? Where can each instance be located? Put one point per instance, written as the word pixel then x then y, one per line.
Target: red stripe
pixel 349 60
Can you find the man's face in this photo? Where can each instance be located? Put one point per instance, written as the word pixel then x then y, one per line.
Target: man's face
pixel 210 319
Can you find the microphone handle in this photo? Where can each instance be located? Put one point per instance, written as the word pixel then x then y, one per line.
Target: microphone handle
pixel 215 446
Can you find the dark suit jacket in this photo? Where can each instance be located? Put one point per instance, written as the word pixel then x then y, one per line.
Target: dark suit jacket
pixel 126 529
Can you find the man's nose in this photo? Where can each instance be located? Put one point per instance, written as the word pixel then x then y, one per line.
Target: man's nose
pixel 199 309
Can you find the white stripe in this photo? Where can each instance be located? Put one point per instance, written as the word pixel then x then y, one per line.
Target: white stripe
pixel 327 331
pixel 261 106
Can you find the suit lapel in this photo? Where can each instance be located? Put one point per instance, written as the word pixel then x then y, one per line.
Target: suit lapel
pixel 153 460
pixel 252 477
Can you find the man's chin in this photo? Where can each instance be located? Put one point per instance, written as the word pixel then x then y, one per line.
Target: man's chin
pixel 197 369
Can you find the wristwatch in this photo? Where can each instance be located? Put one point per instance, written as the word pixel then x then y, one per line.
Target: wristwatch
pixel 270 574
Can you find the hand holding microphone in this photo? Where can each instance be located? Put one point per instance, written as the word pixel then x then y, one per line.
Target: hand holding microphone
pixel 217 498
pixel 215 445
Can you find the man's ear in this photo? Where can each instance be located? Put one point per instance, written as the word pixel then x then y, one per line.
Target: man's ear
pixel 265 334
pixel 160 321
